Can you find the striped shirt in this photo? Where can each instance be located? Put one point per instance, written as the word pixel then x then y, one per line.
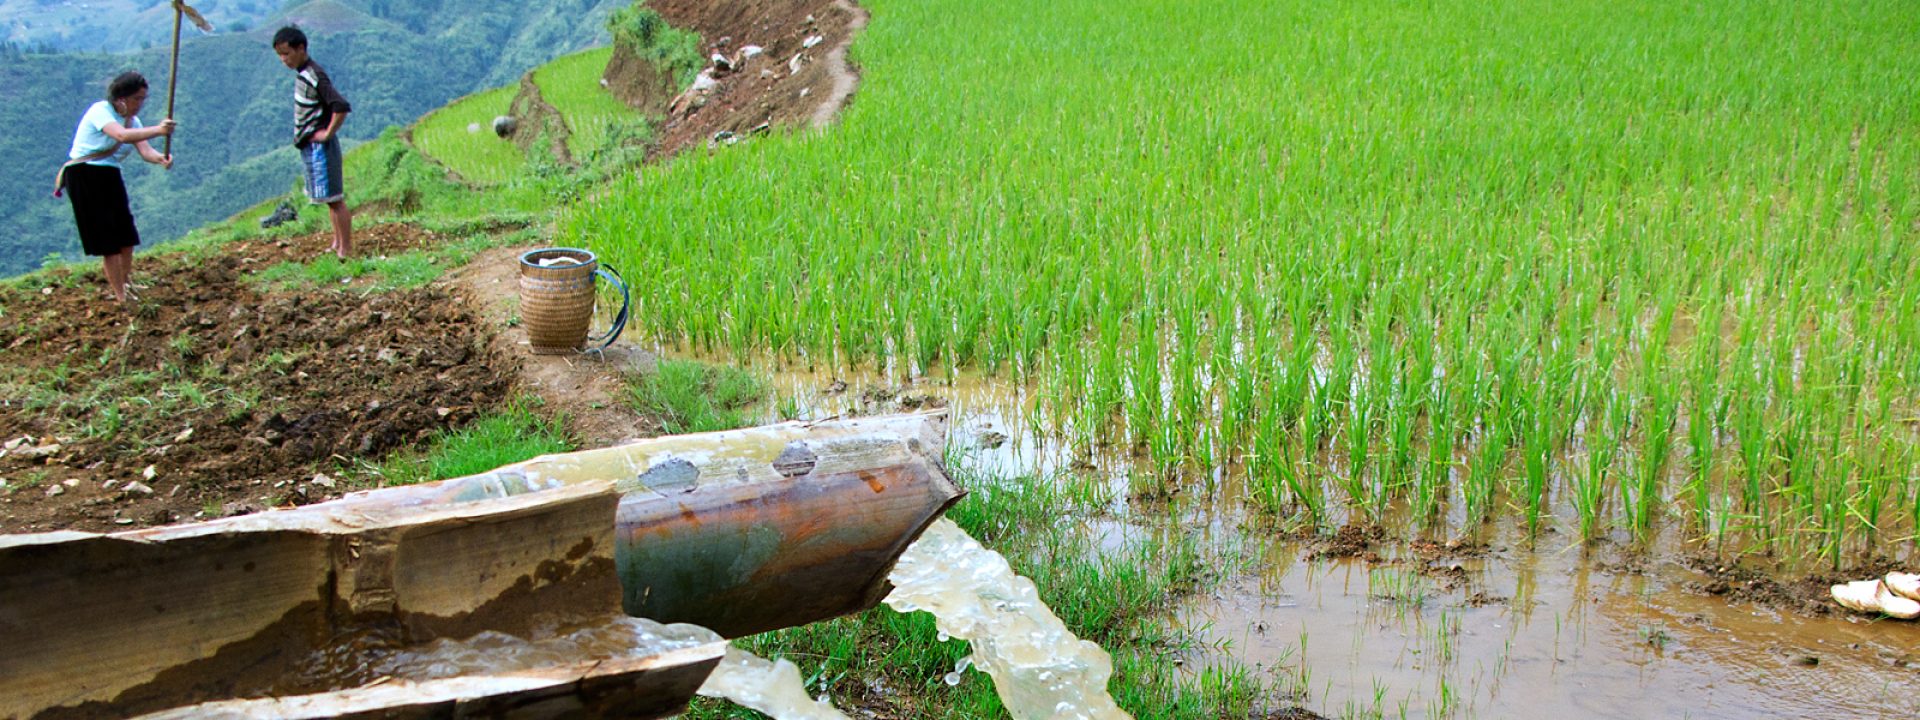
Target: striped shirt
pixel 314 102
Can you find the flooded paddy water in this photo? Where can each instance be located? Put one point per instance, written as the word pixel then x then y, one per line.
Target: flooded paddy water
pixel 1410 623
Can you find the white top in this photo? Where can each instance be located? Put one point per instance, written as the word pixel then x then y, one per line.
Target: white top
pixel 91 137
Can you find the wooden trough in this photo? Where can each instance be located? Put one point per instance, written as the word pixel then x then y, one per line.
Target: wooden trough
pixel 741 532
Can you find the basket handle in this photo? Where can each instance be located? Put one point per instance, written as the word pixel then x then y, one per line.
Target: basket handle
pixel 611 275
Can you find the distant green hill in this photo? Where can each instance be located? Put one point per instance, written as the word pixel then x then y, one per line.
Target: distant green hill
pixel 394 59
pixel 115 25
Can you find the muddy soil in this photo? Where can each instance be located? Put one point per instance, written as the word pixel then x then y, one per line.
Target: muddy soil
pixel 213 395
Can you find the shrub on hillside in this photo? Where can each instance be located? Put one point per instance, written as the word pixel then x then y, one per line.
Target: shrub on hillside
pixel 653 40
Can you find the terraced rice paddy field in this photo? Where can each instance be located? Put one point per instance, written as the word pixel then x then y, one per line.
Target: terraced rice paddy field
pixel 1529 354
pixel 460 136
pixel 595 117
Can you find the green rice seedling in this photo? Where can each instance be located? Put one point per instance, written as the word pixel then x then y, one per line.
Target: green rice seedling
pixel 1590 486
pixel 1657 437
pixel 1536 454
pixel 1144 399
pixel 1367 496
pixel 1705 412
pixel 1435 475
pixel 1406 590
pixel 1484 471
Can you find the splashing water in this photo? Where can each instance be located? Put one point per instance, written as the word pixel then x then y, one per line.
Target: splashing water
pixel 496 652
pixel 772 687
pixel 1040 669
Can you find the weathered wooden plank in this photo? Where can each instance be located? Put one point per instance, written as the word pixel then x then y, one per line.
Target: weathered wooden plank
pixel 112 625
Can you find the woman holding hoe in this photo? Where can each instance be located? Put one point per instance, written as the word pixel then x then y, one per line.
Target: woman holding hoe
pixel 92 176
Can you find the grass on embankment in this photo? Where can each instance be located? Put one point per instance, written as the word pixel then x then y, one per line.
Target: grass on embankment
pixel 515 432
pixel 691 397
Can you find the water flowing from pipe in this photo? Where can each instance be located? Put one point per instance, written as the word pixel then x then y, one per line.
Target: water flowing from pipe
pixel 1040 668
pixel 772 687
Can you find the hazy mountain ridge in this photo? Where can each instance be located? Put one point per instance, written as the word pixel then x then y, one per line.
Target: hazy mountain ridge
pixel 394 60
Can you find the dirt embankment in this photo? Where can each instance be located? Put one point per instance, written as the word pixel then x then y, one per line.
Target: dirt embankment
pixel 541 127
pixel 637 82
pixel 800 78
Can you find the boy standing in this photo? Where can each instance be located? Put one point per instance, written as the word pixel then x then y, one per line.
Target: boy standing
pixel 318 113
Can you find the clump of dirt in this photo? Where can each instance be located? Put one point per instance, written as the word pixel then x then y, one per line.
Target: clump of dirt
pixel 1808 595
pixel 539 122
pixel 212 395
pixel 1352 541
pixel 801 77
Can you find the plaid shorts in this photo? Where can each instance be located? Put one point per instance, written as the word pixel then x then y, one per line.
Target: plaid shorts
pixel 325 181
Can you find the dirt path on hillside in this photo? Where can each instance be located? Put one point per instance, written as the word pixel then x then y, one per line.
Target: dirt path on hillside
pixel 586 389
pixel 840 70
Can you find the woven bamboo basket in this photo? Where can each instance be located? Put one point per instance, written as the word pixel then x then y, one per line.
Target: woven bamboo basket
pixel 556 298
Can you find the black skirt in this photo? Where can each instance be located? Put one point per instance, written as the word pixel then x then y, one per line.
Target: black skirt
pixel 100 209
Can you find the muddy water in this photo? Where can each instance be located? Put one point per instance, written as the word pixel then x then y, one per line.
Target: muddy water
pixel 1549 633
pixel 1521 629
